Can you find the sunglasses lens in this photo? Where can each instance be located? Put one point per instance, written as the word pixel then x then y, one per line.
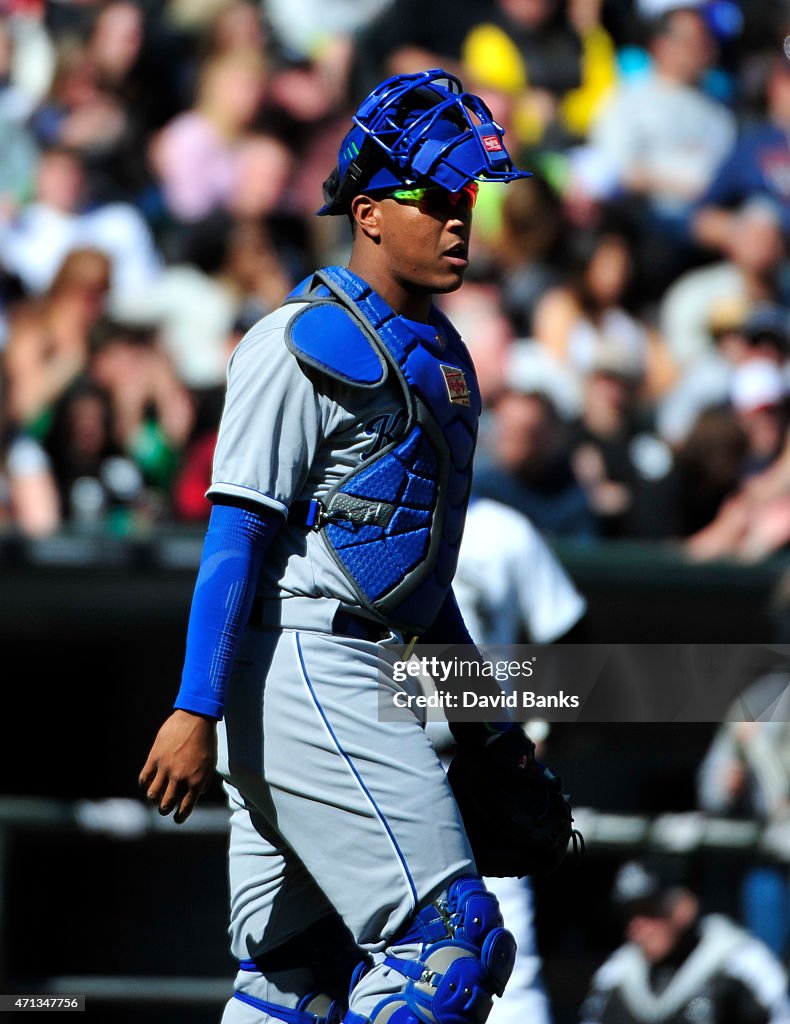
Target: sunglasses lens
pixel 470 191
pixel 468 194
pixel 410 195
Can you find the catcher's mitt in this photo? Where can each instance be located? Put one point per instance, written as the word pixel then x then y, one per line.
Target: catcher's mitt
pixel 516 816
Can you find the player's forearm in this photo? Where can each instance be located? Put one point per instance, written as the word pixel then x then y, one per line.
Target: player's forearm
pixel 236 542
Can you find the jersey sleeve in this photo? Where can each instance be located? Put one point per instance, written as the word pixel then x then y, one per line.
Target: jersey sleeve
pixel 271 423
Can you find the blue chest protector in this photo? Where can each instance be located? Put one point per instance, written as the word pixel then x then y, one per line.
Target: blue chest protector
pixel 394 523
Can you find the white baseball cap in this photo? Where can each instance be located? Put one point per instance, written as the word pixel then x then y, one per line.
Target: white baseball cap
pixel 757 384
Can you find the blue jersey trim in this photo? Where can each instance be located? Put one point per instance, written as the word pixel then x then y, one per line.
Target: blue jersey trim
pixel 357 776
pixel 220 489
pixel 284 1013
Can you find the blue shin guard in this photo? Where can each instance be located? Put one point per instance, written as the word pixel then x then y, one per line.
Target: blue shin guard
pixel 466 959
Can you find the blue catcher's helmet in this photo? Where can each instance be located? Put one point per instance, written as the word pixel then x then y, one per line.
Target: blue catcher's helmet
pixel 416 129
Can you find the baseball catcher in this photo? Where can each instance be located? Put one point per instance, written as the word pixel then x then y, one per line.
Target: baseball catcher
pixel 340 482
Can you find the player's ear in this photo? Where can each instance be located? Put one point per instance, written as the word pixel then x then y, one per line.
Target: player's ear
pixel 366 214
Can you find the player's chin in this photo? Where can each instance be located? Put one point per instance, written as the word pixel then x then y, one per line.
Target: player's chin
pixel 451 277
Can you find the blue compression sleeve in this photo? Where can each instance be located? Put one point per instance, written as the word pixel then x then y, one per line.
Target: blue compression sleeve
pixel 236 541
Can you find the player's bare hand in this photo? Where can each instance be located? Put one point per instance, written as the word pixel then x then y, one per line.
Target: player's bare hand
pixel 181 763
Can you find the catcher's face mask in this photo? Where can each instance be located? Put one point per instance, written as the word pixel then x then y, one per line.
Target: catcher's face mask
pixel 414 131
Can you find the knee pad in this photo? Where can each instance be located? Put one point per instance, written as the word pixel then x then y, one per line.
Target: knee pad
pixel 466 959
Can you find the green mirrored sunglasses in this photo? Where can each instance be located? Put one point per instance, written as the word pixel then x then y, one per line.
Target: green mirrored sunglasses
pixel 416 195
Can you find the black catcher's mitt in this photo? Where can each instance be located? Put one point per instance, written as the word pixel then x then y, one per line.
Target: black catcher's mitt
pixel 516 816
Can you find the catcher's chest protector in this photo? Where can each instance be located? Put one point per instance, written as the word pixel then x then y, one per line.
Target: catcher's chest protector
pixel 394 523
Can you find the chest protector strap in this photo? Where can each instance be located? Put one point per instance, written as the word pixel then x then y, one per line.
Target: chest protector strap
pixel 394 522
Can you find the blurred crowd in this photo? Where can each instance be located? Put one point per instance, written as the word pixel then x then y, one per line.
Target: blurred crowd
pixel 628 307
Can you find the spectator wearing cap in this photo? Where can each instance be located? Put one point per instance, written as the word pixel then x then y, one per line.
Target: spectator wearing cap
pixel 679 965
pixel 767 330
pixel 623 467
pixel 759 393
pixel 747 525
pixel 738 334
pixel 774 482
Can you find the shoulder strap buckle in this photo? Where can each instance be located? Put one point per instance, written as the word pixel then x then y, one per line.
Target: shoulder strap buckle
pixel 314 515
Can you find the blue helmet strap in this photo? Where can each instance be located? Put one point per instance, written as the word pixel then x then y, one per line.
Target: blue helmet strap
pixel 339 191
pixel 347 187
